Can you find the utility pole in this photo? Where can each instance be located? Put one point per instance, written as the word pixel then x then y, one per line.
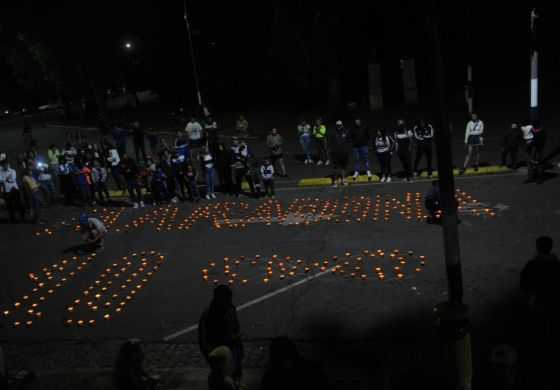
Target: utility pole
pixel 452 316
pixel 469 91
pixel 534 83
pixel 195 72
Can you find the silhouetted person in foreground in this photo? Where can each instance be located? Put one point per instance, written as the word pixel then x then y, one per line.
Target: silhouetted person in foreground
pixel 219 326
pixel 540 280
pixel 539 324
pixel 288 370
pixel 129 373
pixel 221 370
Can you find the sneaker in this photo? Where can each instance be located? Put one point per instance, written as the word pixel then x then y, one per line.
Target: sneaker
pixel 328 162
pixel 319 162
pixel 344 183
pixel 382 179
pixel 415 174
pixel 335 185
pixel 142 204
pixel 355 175
pixel 208 196
pixel 369 175
pixel 388 179
pixel 306 162
pixel 213 195
pixel 135 205
pixel 174 200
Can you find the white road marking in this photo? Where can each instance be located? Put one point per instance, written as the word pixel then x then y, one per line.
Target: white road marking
pixel 253 302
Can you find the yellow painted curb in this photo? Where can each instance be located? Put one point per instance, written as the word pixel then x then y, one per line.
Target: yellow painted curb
pixel 482 171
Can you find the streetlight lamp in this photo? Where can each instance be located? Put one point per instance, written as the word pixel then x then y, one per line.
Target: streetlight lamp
pixel 128 45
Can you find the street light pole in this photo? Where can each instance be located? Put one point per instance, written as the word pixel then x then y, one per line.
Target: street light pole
pixel 452 315
pixel 469 92
pixel 195 72
pixel 534 83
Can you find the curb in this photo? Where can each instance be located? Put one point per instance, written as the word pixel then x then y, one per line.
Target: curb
pixel 482 171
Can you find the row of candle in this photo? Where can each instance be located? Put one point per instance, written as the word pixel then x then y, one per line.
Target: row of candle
pixel 32 306
pixel 360 266
pixel 107 216
pixel 47 282
pixel 113 289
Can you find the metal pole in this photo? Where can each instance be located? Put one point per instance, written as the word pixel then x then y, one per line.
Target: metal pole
pixel 195 72
pixel 468 86
pixel 452 315
pixel 534 83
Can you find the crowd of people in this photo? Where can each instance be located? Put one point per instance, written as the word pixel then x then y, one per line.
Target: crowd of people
pixel 198 161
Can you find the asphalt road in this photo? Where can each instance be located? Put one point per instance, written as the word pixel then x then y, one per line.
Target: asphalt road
pixel 493 252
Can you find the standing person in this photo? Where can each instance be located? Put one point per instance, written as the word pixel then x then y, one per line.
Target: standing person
pixel 27 134
pixel 65 175
pixel 473 142
pixel 139 140
pixel 130 172
pixel 223 168
pixel 207 162
pixel 31 191
pixel 158 185
pixel 210 131
pixel 384 147
pixel 239 163
pixel 170 171
pixel 99 178
pixel 53 158
pixel 539 141
pixel 190 177
pixel 359 135
pixel 528 137
pixel 340 153
pixel 86 183
pixel 512 140
pixel 45 179
pixel 274 143
pixel 119 136
pixel 539 283
pixel 114 160
pixel 180 164
pixel 10 191
pixel 242 127
pixel 181 146
pixel 195 136
pixel 153 141
pixel 267 176
pixel 423 135
pixel 320 135
pixel 219 326
pixel 304 137
pixel 404 136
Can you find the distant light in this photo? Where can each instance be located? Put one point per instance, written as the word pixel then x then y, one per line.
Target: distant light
pixel 7 112
pixel 128 45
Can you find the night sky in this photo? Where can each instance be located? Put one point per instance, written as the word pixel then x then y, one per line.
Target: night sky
pixel 273 52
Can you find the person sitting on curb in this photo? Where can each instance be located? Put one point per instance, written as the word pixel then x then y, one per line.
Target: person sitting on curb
pixel 129 372
pixel 221 370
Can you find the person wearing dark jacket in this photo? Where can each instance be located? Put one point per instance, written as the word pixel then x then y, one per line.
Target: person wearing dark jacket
pixel 360 138
pixel 403 136
pixel 423 135
pixel 286 369
pixel 130 172
pixel 539 279
pixel 138 137
pixel 219 326
pixel 512 140
pixel 129 372
pixel 340 153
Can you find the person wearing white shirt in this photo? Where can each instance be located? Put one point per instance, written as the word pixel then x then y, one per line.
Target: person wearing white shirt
pixel 473 141
pixel 10 191
pixel 194 132
pixel 267 175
